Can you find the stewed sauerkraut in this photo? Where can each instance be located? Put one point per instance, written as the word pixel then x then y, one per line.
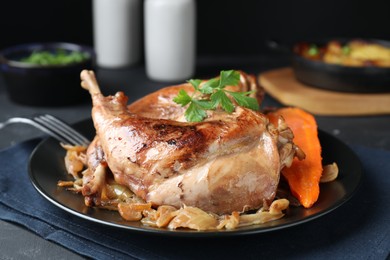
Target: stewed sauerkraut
pixel 131 208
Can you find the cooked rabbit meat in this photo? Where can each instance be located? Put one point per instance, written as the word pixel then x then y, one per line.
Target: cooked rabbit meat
pixel 229 162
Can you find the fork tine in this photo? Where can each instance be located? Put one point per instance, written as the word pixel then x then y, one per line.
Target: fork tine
pixel 71 131
pixel 34 123
pixel 52 127
pixel 43 127
pixel 51 123
pixel 59 127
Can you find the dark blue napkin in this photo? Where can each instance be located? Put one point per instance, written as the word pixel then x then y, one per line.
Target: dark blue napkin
pixel 360 229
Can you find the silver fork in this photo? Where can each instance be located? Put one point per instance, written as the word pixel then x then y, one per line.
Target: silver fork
pixel 52 126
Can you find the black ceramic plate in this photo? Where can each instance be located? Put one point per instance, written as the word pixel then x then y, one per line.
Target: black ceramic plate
pixel 46 168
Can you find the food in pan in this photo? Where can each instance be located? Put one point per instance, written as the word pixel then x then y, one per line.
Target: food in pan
pixel 192 156
pixel 355 53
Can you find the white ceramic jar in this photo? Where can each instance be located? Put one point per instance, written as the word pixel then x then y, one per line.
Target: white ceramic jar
pixel 117 32
pixel 170 39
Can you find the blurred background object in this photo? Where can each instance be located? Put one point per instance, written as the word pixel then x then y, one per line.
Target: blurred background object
pixel 344 65
pixel 223 26
pixel 117 32
pixel 170 39
pixel 45 21
pixel 45 74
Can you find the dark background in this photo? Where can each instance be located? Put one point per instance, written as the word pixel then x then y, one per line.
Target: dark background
pixel 224 27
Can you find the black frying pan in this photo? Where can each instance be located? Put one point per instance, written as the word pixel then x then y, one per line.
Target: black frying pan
pixel 340 78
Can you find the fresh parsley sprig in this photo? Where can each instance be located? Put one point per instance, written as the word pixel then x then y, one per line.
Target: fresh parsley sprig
pixel 212 94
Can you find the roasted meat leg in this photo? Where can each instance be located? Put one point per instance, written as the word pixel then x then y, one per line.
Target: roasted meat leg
pixel 229 162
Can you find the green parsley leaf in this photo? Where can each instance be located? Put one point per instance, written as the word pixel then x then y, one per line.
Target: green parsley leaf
pixel 195 83
pixel 313 50
pixel 211 95
pixel 346 50
pixel 204 103
pixel 209 86
pixel 220 98
pixel 195 113
pixel 182 98
pixel 229 78
pixel 244 100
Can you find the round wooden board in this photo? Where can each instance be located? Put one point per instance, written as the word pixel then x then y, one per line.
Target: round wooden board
pixel 282 85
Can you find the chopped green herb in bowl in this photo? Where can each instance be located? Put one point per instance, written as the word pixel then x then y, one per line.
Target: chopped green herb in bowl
pixel 45 74
pixel 57 57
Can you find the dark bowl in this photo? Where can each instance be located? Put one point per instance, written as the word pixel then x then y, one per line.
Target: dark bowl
pixel 45 85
